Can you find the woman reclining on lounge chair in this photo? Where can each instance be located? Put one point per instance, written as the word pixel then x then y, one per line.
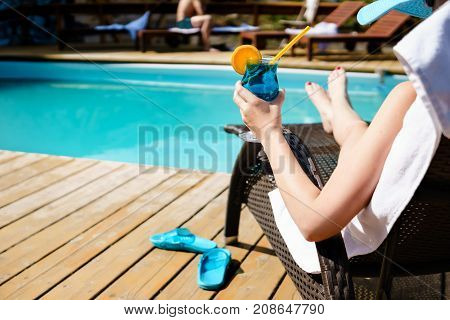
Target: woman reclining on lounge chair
pixel 320 214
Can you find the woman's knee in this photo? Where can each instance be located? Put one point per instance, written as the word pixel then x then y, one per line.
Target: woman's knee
pixel 203 18
pixel 403 89
pixel 198 21
pixel 353 133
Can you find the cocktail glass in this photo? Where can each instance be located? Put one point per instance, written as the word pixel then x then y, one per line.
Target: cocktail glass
pixel 260 79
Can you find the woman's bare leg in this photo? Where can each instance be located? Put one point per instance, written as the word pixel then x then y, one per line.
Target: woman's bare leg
pixel 345 121
pixel 338 116
pixel 322 102
pixel 204 23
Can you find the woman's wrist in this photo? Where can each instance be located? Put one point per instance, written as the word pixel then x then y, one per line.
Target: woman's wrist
pixel 271 137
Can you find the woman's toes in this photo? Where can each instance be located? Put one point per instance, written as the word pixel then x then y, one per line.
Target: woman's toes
pixel 336 73
pixel 317 94
pixel 337 84
pixel 339 72
pixel 310 87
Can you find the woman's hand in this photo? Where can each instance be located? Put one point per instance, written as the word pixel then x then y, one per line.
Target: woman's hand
pixel 259 116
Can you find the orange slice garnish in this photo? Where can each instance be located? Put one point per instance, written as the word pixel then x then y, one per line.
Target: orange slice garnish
pixel 244 55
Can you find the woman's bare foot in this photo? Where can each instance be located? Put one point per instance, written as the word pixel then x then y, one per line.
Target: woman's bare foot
pixel 322 102
pixel 337 88
pixel 344 117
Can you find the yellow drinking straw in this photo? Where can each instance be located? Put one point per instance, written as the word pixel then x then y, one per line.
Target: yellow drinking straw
pixel 289 45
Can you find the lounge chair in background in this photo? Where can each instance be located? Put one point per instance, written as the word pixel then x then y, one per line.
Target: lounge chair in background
pixel 338 16
pixel 305 17
pixel 144 37
pixel 381 31
pixel 343 12
pixel 418 243
pixel 132 28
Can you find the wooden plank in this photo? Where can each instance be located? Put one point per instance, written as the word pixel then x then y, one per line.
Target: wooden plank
pixel 58 209
pixel 9 155
pixel 49 271
pixel 159 266
pixel 41 244
pixel 287 290
pixel 20 162
pixel 32 170
pixel 42 181
pixel 28 204
pixel 260 274
pixel 184 286
pixel 99 273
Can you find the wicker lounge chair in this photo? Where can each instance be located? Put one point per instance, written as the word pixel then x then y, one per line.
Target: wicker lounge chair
pixel 381 31
pixel 419 241
pixel 338 16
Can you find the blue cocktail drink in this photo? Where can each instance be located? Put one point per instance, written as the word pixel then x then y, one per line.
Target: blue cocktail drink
pixel 261 79
pixel 260 73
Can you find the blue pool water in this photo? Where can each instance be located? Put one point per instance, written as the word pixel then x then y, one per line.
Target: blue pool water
pixel 157 114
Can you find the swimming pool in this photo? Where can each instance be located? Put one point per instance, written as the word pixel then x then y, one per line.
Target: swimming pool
pixel 167 115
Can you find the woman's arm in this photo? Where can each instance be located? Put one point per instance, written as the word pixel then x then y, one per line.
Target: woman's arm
pixel 321 214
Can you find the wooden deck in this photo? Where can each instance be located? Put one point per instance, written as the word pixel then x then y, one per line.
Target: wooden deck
pixel 79 228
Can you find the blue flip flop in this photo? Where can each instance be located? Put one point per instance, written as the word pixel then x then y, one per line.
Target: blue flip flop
pixel 181 239
pixel 212 268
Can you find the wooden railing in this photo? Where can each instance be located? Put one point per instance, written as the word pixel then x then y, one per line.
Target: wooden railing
pixel 252 8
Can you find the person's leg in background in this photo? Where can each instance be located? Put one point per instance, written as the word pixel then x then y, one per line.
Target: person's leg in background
pixel 204 23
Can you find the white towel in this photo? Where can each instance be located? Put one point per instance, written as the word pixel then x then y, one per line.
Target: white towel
pixel 431 80
pixel 184 31
pixel 242 27
pixel 322 28
pixel 425 50
pixel 303 252
pixel 132 27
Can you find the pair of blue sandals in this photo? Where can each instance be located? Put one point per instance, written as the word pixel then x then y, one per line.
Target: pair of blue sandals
pixel 214 262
